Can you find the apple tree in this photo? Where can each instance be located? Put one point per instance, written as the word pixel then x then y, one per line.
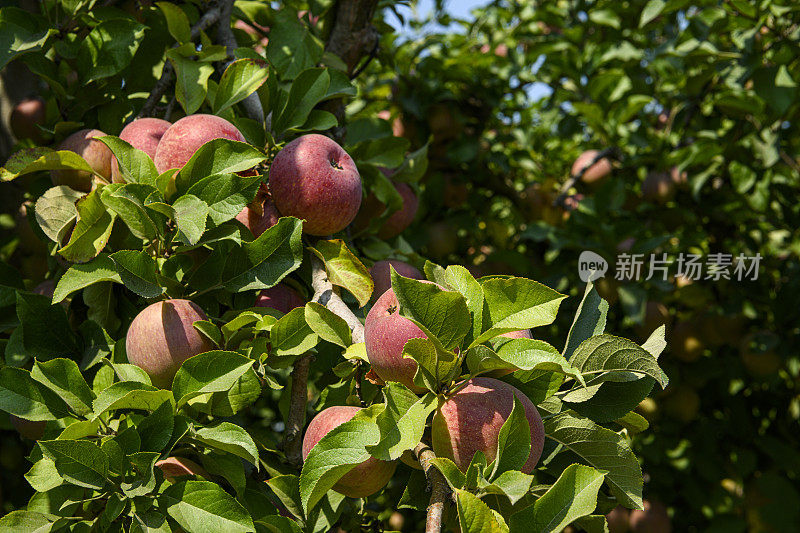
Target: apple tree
pixel 213 318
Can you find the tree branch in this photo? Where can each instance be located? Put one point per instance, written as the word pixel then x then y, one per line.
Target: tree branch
pixel 292 443
pixel 208 19
pixel 325 295
pixel 438 486
pixel 251 104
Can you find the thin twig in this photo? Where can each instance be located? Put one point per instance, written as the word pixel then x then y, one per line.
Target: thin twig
pixel 292 443
pixel 372 54
pixel 208 19
pixel 438 486
pixel 325 295
pixel 358 377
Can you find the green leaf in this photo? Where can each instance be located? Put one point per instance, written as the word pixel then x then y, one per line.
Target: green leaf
pixel 55 211
pixel 513 484
pixel 140 479
pixel 64 377
pixel 177 21
pixel 308 89
pixel 633 422
pixel 517 303
pixel 79 462
pixel 292 48
pixel 19 33
pixel 129 395
pixel 619 357
pixel 605 17
pixel 190 216
pixel 474 515
pixel 46 332
pixel 459 279
pixel 156 428
pixel 590 320
pixel 204 506
pixel 414 166
pixel 138 272
pixel 218 156
pixel 513 442
pixel 278 524
pixel 191 78
pixel 656 342
pixel 225 194
pixel 109 48
pixel 454 476
pixel 344 269
pixel 572 496
pixel 327 324
pixel 37 159
pixel 24 521
pixel 92 230
pixel 214 371
pixel 651 10
pixel 149 522
pixel 129 202
pixel 402 422
pixel 530 354
pixel 318 120
pixel 241 79
pixel 229 467
pixel 386 152
pixel 291 334
pixel 603 449
pixel 134 165
pixel 229 438
pixel 333 456
pixel 434 364
pixel 439 313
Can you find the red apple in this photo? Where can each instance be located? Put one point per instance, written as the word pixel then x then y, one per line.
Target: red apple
pixel 95 153
pixel 260 214
pixel 181 140
pixel 385 335
pixel 654 519
pixel 364 479
pixel 596 172
pixel 470 420
pixel 26 116
pixel 161 338
pixel 143 134
pixel 280 297
pixel 174 468
pixel 658 187
pixel 314 179
pixel 618 520
pixel 381 274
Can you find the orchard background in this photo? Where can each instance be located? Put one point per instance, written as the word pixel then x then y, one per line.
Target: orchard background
pixel 480 115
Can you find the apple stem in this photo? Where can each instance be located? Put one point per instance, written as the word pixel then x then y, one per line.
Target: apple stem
pixel 438 486
pixel 292 442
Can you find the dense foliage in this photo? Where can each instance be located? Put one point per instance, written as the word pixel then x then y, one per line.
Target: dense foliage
pixel 693 112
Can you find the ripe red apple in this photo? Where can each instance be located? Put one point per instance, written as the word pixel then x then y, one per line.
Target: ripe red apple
pixel 385 335
pixel 26 116
pixel 314 179
pixel 28 429
pixel 618 520
pixel 260 214
pixel 470 421
pixel 143 134
pixel 95 153
pixel 654 518
pixel 161 338
pixel 174 468
pixel 181 140
pixel 596 172
pixel 280 297
pixel 381 274
pixel 364 479
pixel 685 342
pixel 658 187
